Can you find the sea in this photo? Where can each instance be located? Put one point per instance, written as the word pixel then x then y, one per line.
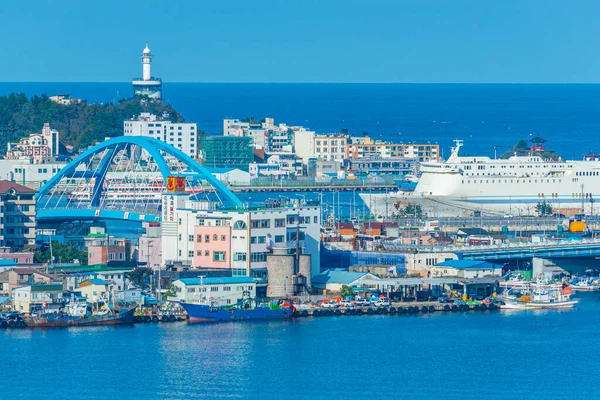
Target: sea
pixel 533 355
pixel 483 355
pixel 488 117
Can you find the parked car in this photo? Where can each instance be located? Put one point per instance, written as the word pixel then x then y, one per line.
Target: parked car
pixel 444 299
pixel 329 304
pixel 385 302
pixel 347 304
pixel 363 302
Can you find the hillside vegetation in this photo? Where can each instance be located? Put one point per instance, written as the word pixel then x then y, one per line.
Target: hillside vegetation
pixel 80 125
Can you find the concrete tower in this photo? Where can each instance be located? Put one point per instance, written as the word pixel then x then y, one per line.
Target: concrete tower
pixel 147 85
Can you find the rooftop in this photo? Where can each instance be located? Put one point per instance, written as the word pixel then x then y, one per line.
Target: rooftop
pixel 42 288
pixel 468 264
pixel 340 276
pixel 94 281
pixel 5 186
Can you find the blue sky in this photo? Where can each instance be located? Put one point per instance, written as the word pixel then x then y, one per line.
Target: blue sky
pixel 302 41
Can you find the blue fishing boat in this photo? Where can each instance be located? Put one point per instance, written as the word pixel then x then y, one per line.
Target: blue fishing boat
pixel 247 309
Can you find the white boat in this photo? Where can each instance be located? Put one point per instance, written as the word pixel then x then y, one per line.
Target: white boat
pixel 584 284
pixel 537 297
pixel 514 186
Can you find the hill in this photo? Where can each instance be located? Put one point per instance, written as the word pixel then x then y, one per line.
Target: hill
pixel 80 125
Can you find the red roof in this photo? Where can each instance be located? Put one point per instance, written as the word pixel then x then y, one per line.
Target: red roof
pixel 5 186
pixel 344 225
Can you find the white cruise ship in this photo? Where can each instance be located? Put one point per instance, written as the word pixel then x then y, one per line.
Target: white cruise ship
pixel 514 186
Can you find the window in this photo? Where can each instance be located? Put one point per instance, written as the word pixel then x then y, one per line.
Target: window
pixel 206 253
pixel 278 238
pixel 218 222
pixel 215 237
pixel 253 240
pixel 199 238
pixel 206 238
pixel 239 225
pixel 191 253
pixel 214 289
pixel 262 239
pixel 258 257
pixel 190 238
pixel 239 256
pixel 199 252
pixel 222 238
pixel 227 289
pixel 180 237
pixel 218 256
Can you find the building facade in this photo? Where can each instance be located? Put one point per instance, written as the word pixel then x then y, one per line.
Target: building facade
pixel 367 146
pixel 238 240
pixel 38 148
pixel 181 135
pixel 227 152
pixel 221 291
pixel 17 215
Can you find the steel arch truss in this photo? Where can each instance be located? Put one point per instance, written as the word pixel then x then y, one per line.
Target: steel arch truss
pixel 144 162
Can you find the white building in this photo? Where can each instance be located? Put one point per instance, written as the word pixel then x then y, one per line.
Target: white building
pixel 304 144
pixel 237 239
pixel 231 176
pixel 27 173
pixel 65 99
pixel 181 135
pixel 147 85
pixel 235 127
pixel 330 147
pixel 278 166
pixel 37 148
pixel 223 291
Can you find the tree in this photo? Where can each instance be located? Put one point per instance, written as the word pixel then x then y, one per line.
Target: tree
pixel 412 210
pixel 346 291
pixel 62 252
pixel 140 276
pixel 543 208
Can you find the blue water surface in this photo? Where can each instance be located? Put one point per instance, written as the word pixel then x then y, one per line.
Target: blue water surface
pixel 484 115
pixel 489 355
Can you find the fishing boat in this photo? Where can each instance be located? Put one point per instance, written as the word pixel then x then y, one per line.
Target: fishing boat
pixel 536 297
pixel 584 284
pixel 246 309
pixel 77 313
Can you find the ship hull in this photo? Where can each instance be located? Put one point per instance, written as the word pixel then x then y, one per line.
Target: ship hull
pixel 124 317
pixel 205 313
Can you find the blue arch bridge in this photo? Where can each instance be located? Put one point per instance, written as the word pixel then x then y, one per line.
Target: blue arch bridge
pixel 123 179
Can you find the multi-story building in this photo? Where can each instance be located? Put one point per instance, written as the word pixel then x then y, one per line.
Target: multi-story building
pixel 65 99
pixel 149 248
pixel 227 152
pixel 26 173
pixel 235 127
pixel 105 250
pixel 366 146
pixel 381 165
pixel 226 290
pixel 38 148
pixel 238 240
pixel 278 166
pixel 17 215
pixel 330 147
pixel 181 135
pixel 33 298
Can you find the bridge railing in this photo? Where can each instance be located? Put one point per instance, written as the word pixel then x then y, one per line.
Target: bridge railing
pixel 489 248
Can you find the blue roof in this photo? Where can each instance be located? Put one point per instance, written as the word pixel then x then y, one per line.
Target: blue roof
pixel 217 281
pixel 6 262
pixel 97 281
pixel 338 276
pixel 468 264
pixel 4 299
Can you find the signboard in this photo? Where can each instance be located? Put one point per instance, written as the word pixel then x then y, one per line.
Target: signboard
pixel 176 184
pixel 168 208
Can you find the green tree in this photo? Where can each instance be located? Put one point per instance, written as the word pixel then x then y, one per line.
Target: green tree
pixel 140 276
pixel 412 211
pixel 62 252
pixel 346 291
pixel 543 208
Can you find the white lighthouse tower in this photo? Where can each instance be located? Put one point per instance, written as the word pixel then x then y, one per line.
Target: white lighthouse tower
pixel 147 85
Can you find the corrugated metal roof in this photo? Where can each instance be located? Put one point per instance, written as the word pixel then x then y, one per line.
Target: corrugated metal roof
pixel 468 264
pixel 340 276
pixel 95 281
pixel 217 281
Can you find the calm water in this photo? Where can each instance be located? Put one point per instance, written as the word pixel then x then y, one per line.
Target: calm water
pixel 483 115
pixel 493 355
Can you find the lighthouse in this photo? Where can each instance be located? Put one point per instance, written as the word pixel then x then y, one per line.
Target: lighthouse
pixel 147 86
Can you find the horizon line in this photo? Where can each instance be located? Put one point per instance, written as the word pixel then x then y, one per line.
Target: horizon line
pixel 321 83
